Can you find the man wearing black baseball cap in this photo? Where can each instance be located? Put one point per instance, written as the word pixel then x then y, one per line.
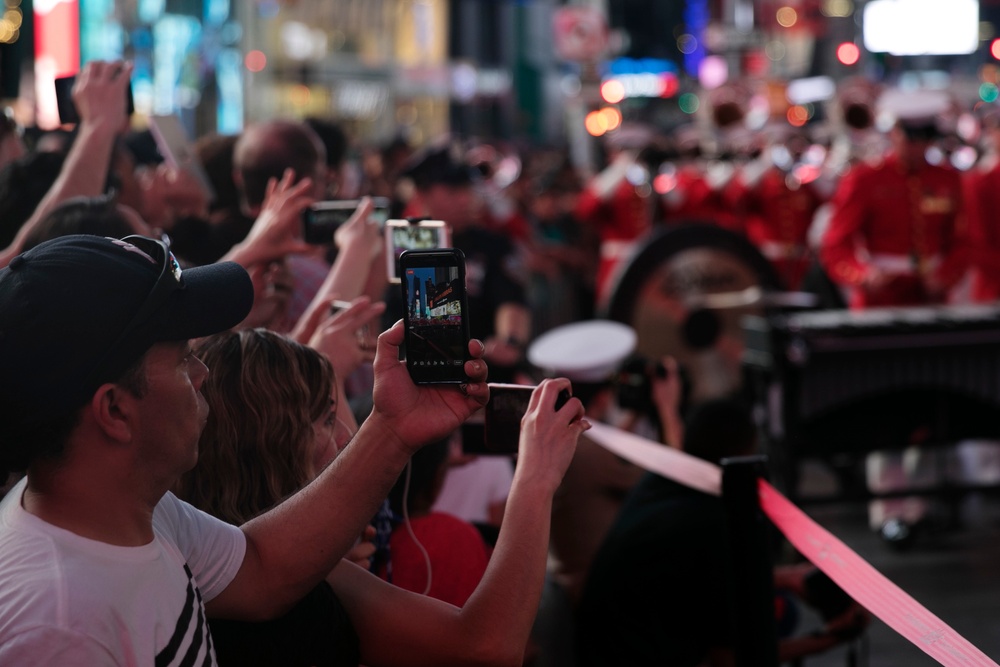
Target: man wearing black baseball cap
pixel 100 403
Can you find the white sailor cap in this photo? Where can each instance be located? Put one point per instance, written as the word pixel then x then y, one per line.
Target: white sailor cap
pixel 589 351
pixel 922 111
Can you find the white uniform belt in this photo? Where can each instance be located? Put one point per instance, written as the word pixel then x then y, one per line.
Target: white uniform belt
pixel 902 264
pixel 780 250
pixel 616 249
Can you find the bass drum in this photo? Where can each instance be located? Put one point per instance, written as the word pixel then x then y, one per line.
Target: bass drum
pixel 659 291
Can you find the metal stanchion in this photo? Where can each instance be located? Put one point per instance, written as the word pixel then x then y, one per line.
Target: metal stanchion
pixel 753 568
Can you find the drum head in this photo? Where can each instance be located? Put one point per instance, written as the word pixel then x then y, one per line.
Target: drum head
pixel 657 289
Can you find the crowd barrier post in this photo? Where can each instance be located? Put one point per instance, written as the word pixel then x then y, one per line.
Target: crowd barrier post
pixel 753 568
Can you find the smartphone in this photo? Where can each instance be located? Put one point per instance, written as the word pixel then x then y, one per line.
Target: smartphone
pixel 502 417
pixel 177 151
pixel 64 100
pixel 403 235
pixel 436 315
pixel 321 220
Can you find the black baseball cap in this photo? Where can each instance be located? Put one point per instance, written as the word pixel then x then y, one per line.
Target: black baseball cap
pixel 79 310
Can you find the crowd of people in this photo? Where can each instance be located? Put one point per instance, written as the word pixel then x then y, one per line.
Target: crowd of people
pixel 216 452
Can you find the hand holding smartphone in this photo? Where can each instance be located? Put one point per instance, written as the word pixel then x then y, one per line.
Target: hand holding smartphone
pixel 500 432
pixel 435 315
pixel 68 113
pixel 321 220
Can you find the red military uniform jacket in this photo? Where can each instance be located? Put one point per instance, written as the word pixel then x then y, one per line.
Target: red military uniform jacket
pixel 982 196
pixel 620 220
pixel 776 218
pixel 909 224
pixel 693 199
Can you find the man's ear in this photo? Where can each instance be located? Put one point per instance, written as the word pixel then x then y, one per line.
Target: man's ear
pixel 113 408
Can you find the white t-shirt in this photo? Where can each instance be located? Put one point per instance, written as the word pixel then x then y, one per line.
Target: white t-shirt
pixel 68 600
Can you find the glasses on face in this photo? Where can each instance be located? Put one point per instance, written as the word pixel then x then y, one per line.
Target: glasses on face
pixel 168 281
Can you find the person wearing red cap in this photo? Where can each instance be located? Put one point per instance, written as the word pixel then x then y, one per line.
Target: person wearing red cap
pixel 897 234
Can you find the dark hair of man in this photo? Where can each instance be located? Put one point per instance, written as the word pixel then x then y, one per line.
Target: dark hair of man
pixel 719 428
pixel 25 440
pixel 215 152
pixel 265 151
pixel 97 216
pixel 333 137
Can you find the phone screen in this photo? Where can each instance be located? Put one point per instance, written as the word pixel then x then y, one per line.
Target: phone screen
pixel 403 235
pixel 435 312
pixel 502 419
pixel 321 220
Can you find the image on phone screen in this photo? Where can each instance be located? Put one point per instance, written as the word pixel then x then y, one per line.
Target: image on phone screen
pixel 435 314
pixel 401 235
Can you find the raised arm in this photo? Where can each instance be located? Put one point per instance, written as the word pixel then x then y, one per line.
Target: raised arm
pixel 99 96
pixel 401 628
pixel 292 547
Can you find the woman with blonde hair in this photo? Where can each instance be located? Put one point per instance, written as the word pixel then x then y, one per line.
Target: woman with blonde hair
pixel 272 427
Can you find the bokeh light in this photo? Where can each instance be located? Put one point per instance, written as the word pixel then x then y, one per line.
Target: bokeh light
pixel 848 53
pixel 688 103
pixel 595 123
pixel 612 91
pixel 255 61
pixel 787 17
pixel 612 118
pixel 995 48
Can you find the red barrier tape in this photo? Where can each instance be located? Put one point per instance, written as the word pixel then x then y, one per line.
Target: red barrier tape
pixel 868 586
pixel 860 580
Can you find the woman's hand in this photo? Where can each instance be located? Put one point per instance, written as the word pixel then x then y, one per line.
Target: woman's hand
pixel 549 436
pixel 277 232
pixel 347 337
pixel 418 414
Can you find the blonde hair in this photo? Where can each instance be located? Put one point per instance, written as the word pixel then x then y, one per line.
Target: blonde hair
pixel 264 391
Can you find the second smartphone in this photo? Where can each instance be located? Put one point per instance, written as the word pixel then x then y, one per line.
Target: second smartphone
pixel 436 315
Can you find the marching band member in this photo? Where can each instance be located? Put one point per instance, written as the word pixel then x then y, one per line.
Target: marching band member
pixel 897 233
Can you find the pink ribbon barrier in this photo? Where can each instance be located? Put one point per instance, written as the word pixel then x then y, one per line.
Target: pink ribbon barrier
pixel 855 575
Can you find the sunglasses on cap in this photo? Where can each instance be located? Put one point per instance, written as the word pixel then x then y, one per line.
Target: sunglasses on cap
pixel 168 282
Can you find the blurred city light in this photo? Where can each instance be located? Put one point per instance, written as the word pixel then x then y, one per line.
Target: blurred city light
pixel 848 53
pixel 995 48
pixel 612 91
pixel 611 117
pixel 787 17
pixel 921 27
pixel 688 103
pixel 255 61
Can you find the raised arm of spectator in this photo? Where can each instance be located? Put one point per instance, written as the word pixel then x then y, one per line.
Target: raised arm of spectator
pixel 99 95
pixel 277 232
pixel 347 339
pixel 300 541
pixel 359 248
pixel 402 628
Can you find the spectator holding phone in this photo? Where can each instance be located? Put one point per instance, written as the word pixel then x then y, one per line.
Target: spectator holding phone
pixel 272 425
pixel 87 165
pixel 99 563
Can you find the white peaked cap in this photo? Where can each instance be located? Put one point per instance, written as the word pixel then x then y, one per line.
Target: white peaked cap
pixel 588 351
pixel 916 106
